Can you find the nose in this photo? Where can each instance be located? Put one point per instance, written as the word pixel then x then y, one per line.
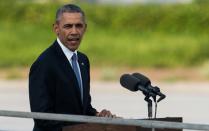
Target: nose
pixel 74 30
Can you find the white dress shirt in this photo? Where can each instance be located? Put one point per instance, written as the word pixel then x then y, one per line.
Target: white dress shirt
pixel 68 53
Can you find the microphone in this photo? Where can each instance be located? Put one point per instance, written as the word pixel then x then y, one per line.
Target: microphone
pixel 147 84
pixel 134 84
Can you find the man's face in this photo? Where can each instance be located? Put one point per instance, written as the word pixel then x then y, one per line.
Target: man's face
pixel 70 29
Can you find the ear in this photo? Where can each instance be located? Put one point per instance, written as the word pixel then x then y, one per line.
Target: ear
pixel 56 28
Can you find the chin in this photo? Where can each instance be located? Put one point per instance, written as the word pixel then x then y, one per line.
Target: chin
pixel 73 48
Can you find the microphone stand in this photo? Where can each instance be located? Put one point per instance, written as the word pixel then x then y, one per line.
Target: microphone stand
pixel 155 109
pixel 149 105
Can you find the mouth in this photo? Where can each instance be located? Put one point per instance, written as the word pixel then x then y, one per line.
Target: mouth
pixel 76 39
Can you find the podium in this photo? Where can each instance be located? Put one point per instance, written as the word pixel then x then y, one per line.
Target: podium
pixel 109 127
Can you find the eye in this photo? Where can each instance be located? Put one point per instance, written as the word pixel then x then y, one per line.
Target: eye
pixel 79 25
pixel 68 26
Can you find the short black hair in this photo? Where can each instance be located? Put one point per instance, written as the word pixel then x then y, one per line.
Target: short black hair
pixel 71 8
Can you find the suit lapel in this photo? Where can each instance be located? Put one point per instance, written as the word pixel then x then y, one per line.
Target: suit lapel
pixel 67 69
pixel 84 75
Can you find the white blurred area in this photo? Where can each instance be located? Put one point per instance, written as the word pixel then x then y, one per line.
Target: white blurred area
pixel 188 100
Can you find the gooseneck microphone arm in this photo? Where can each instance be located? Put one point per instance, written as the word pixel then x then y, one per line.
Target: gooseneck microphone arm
pixel 149 105
pixel 156 90
pixel 136 82
pixel 146 83
pixel 133 84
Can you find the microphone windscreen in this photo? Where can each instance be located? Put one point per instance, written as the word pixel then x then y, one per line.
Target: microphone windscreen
pixel 144 81
pixel 129 82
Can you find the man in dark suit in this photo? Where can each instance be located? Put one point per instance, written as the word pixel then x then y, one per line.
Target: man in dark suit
pixel 59 80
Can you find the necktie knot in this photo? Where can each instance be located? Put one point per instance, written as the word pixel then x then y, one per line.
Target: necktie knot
pixel 74 57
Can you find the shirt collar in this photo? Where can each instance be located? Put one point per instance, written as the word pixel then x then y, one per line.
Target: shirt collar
pixel 68 53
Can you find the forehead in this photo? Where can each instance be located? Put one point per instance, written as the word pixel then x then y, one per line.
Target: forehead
pixel 76 17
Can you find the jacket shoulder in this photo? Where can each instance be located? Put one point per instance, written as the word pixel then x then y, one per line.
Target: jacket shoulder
pixel 46 58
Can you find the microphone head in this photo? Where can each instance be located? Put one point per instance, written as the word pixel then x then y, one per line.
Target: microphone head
pixel 144 81
pixel 129 82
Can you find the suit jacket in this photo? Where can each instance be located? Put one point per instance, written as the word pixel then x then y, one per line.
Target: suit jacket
pixel 53 87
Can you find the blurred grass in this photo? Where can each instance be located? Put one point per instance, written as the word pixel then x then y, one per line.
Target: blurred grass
pixel 134 36
pixel 20 44
pixel 145 49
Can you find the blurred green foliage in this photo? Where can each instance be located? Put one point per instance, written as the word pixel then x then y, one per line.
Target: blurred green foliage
pixel 168 18
pixel 132 35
